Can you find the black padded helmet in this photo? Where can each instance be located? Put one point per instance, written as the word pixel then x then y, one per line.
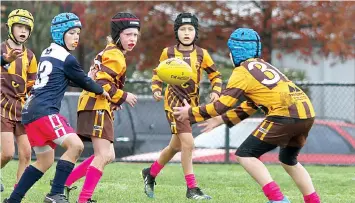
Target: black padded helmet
pixel 182 19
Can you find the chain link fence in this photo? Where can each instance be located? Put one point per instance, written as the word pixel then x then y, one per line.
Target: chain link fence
pixel 143 131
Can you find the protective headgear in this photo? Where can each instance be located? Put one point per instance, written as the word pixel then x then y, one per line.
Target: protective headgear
pixel 19 16
pixel 61 24
pixel 244 43
pixel 120 22
pixel 182 19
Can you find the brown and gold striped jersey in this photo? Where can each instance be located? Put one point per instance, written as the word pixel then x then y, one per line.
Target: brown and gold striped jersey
pixel 199 59
pixel 264 86
pixel 17 79
pixel 111 65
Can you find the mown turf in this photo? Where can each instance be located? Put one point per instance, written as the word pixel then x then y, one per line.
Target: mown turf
pixel 122 182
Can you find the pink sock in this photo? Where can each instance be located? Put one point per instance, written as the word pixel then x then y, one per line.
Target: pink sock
pixel 79 171
pixel 311 198
pixel 272 191
pixel 191 181
pixel 93 177
pixel 155 168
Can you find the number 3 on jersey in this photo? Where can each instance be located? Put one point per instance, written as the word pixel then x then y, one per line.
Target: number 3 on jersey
pixel 44 69
pixel 266 74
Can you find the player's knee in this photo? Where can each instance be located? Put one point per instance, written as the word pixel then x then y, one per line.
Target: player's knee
pixel 289 156
pixel 111 157
pixel 104 158
pixel 174 149
pixel 6 157
pixel 188 146
pixel 7 154
pixel 78 148
pixel 25 157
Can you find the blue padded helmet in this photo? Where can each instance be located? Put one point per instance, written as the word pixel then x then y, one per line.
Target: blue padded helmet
pixel 244 43
pixel 61 24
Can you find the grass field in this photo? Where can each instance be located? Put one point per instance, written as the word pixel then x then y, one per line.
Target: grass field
pixel 122 182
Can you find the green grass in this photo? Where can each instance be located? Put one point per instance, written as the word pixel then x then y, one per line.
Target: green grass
pixel 122 182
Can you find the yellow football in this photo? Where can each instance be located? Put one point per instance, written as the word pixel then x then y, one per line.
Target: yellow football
pixel 174 71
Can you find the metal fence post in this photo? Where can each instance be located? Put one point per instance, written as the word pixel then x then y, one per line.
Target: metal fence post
pixel 226 156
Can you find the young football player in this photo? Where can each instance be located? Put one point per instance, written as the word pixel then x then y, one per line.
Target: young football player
pixel 289 115
pixel 186 33
pixel 18 73
pixel 45 127
pixel 95 115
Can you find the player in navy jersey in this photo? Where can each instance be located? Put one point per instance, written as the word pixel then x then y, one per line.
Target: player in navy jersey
pixel 45 127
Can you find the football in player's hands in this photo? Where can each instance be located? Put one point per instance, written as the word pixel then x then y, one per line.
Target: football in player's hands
pixel 174 71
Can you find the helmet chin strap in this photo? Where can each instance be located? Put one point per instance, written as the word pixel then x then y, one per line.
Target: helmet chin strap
pixel 119 44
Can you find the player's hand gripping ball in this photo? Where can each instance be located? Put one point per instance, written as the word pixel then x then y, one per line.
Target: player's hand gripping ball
pixel 174 71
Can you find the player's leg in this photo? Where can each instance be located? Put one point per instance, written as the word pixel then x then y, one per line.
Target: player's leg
pixel 62 134
pixel 6 143
pixel 45 159
pixel 187 147
pixel 248 156
pixel 7 140
pixel 288 159
pixel 79 171
pixel 24 150
pixel 99 129
pixel 7 148
pixel 149 174
pixel 74 146
pixel 104 154
pixel 168 152
pixel 85 128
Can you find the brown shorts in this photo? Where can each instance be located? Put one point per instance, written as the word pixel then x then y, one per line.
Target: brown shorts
pixel 283 131
pixel 96 123
pixel 14 127
pixel 176 126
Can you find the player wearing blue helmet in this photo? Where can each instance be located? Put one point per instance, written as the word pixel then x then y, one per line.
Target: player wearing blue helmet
pixel 45 127
pixel 289 115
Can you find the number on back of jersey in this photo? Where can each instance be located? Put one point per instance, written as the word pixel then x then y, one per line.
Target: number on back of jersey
pixel 44 69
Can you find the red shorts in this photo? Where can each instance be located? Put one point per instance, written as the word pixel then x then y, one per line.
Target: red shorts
pixel 48 130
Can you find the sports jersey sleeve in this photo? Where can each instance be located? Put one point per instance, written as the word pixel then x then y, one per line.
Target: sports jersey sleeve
pixel 75 73
pixel 236 87
pixel 236 115
pixel 110 70
pixel 3 62
pixel 213 75
pixel 157 83
pixel 31 73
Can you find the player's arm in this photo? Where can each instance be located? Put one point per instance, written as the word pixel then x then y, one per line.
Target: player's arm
pixel 157 83
pixel 236 87
pixel 109 71
pixel 31 74
pixel 75 73
pixel 11 56
pixel 214 76
pixel 231 117
pixel 236 115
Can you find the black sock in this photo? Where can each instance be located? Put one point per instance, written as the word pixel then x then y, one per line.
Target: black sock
pixel 63 170
pixel 29 177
